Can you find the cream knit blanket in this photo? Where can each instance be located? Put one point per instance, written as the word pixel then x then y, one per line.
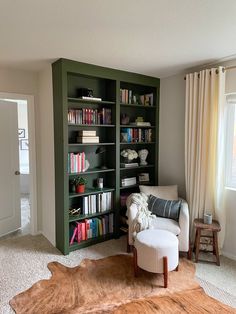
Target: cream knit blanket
pixel 144 217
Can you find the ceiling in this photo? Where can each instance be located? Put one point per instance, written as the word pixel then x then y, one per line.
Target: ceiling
pixel 153 37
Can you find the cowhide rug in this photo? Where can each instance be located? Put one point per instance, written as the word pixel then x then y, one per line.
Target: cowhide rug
pixel 108 285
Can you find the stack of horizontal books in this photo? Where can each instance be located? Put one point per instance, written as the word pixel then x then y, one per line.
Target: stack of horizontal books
pixel 87 136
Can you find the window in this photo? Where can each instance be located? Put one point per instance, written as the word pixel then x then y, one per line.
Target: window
pixel 231 141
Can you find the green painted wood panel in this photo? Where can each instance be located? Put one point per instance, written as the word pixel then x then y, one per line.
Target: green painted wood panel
pixel 72 72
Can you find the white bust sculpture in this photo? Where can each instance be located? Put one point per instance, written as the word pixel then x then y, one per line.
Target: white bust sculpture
pixel 143 156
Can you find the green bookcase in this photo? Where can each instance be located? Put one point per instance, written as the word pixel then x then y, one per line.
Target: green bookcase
pixel 106 84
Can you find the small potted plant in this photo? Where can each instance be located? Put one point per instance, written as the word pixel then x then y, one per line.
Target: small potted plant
pixel 80 184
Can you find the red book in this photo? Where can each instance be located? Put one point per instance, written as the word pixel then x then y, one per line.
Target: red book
pixel 79 232
pixel 87 227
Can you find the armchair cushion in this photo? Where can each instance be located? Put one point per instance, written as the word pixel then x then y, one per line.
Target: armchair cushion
pixel 166 224
pixel 164 208
pixel 169 192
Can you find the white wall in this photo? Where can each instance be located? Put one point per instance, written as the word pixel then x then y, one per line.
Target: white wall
pixel 171 165
pixel 46 147
pixel 24 82
pixel 171 160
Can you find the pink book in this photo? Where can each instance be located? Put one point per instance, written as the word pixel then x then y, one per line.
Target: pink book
pixel 83 161
pixel 79 162
pixel 73 236
pixel 83 231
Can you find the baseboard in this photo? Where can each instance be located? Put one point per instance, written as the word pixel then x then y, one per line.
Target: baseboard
pixel 229 255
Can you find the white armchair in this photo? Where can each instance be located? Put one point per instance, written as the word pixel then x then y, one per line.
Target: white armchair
pixel 180 228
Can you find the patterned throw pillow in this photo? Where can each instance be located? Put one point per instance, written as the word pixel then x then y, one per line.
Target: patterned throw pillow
pixel 164 208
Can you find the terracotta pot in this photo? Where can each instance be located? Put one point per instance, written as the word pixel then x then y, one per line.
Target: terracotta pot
pixel 80 188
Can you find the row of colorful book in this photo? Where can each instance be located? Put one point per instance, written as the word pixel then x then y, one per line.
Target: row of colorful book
pixel 89 116
pixel 76 162
pixel 129 97
pixel 90 228
pixel 130 135
pixel 97 203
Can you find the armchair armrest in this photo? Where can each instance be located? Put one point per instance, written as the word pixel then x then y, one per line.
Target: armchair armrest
pixel 184 227
pixel 131 213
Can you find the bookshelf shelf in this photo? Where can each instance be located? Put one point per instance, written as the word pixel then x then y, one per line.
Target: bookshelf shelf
pixel 138 106
pixel 90 191
pixel 137 167
pixel 135 185
pixel 137 126
pixel 89 144
pixel 139 143
pixel 89 102
pixel 70 79
pixel 91 171
pixel 82 217
pixel 91 241
pixel 92 125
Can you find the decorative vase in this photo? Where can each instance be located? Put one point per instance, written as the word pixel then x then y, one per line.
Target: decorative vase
pixel 80 188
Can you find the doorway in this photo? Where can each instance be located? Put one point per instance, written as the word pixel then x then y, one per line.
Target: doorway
pixel 26 171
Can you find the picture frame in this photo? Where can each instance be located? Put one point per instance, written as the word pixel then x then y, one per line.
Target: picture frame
pixel 21 133
pixel 24 144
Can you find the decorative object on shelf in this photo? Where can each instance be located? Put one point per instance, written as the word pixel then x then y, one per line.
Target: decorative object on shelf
pixel 129 155
pixel 74 211
pixel 80 184
pixel 72 185
pixel 100 183
pixel 207 218
pixel 101 150
pixel 129 165
pixel 87 137
pixel 143 177
pixel 142 153
pixel 87 92
pixel 124 118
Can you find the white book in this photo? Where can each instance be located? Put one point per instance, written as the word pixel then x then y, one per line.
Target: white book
pixel 91 98
pixel 140 123
pixel 88 139
pixel 85 133
pixel 129 165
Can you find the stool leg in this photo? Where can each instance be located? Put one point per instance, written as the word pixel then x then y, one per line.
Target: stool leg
pixel 135 262
pixel 165 268
pixel 216 249
pixel 198 235
pixel 128 246
pixel 189 254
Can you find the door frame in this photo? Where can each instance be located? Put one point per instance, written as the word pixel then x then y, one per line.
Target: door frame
pixel 32 155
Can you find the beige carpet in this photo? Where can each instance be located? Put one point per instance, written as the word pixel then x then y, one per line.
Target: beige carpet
pixel 23 261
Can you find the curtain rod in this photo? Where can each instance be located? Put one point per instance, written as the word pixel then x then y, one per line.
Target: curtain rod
pixel 223 69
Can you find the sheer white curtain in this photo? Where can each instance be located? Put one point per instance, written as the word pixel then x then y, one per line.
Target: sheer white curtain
pixel 204 157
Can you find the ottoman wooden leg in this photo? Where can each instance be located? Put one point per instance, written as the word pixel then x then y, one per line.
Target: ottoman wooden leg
pixel 165 268
pixel 128 246
pixel 135 262
pixel 177 268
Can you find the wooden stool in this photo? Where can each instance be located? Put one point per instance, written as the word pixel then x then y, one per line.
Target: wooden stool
pixel 214 228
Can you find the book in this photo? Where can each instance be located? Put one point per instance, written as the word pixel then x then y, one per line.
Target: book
pixel 129 165
pixel 91 98
pixel 88 139
pixel 128 181
pixel 139 123
pixel 86 133
pixel 74 233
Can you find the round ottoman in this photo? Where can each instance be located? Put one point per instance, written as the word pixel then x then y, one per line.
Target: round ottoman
pixel 156 251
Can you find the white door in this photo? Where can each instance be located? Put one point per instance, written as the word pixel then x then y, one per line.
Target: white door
pixel 10 210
